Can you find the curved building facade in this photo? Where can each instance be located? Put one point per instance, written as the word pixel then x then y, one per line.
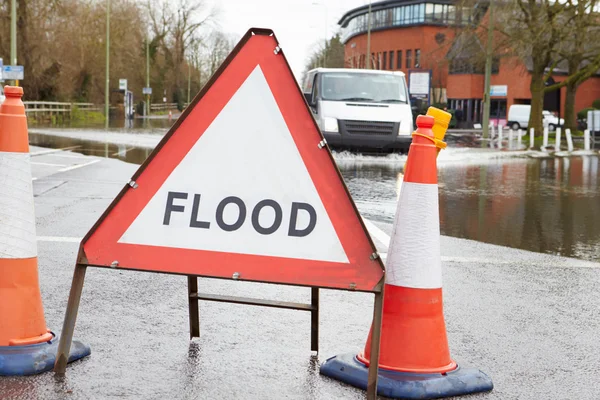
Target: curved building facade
pixel 419 36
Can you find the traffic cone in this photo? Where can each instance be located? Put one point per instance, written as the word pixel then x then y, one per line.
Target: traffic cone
pixel 26 346
pixel 414 358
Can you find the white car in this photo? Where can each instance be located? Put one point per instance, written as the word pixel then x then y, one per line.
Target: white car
pixel 1 94
pixel 518 118
pixel 551 121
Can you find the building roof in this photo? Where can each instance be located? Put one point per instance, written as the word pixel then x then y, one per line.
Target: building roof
pixel 383 5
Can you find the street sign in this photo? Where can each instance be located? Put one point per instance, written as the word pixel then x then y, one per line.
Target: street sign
pixel 1 69
pixel 419 83
pixel 147 90
pixel 498 90
pixel 123 84
pixel 13 72
pixel 241 186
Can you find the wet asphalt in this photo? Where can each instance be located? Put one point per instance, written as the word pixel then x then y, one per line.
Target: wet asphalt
pixel 529 320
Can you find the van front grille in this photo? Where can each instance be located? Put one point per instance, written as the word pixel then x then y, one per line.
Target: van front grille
pixel 368 127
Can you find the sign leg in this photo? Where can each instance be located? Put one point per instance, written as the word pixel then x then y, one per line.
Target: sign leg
pixel 193 305
pixel 375 340
pixel 66 336
pixel 314 320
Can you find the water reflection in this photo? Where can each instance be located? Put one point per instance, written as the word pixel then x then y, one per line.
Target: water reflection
pixel 549 206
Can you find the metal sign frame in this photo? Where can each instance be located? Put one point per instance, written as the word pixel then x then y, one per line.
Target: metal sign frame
pixel 193 296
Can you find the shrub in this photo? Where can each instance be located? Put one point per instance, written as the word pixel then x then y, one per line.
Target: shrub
pixel 583 113
pixel 596 104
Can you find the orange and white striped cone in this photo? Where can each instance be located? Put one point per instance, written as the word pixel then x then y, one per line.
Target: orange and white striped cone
pixel 26 345
pixel 414 358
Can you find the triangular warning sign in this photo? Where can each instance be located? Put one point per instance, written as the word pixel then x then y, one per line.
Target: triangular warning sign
pixel 240 185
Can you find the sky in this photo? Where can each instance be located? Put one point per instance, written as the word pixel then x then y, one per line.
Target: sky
pixel 298 24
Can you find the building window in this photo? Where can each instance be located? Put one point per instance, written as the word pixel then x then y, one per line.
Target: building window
pixel 399 63
pixel 408 59
pixel 384 62
pixel 392 59
pixel 418 58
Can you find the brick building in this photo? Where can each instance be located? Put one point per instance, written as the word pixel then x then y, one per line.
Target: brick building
pixel 419 35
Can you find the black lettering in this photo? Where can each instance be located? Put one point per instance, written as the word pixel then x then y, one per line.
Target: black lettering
pixel 293 231
pixel 171 208
pixel 194 223
pixel 276 223
pixel 241 217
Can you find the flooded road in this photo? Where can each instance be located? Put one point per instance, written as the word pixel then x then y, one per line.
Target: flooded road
pixel 549 205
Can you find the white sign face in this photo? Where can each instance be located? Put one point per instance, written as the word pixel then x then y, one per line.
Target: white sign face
pixel 1 69
pixel 419 83
pixel 13 72
pixel 147 90
pixel 123 84
pixel 498 90
pixel 261 201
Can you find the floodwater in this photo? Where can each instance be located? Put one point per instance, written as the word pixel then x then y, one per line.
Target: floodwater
pixel 549 205
pixel 544 205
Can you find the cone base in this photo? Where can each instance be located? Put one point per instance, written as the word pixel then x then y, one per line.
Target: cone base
pixel 408 385
pixel 36 358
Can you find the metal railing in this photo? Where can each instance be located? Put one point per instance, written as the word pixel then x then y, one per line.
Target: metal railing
pixel 42 110
pixel 163 106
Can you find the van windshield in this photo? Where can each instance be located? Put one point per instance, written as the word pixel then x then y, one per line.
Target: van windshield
pixel 353 86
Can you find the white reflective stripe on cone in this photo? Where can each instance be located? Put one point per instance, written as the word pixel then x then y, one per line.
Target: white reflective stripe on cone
pixel 17 215
pixel 414 259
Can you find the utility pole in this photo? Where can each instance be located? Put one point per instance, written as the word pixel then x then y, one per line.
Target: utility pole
pixel 189 81
pixel 369 37
pixel 488 73
pixel 107 87
pixel 13 35
pixel 147 75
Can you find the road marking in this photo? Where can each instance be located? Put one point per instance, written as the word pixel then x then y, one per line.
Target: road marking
pixel 49 164
pixel 68 155
pixel 62 239
pixel 72 167
pixel 376 232
pixel 43 152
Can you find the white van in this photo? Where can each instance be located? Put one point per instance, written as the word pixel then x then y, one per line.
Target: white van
pixel 518 118
pixel 360 109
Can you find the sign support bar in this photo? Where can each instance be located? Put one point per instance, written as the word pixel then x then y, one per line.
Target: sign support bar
pixel 193 305
pixel 375 341
pixel 66 337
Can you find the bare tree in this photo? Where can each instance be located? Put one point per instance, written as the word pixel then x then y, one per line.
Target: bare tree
pixel 578 51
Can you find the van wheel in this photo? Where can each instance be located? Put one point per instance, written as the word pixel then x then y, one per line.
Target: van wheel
pixel 515 126
pixel 551 127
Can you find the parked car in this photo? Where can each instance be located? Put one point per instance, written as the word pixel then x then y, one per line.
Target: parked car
pixel 551 120
pixel 364 110
pixel 1 94
pixel 518 118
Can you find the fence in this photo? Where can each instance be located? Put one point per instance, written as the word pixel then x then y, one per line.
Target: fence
pixel 55 110
pixel 163 107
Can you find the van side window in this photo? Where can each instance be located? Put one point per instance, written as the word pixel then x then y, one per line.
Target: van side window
pixel 308 82
pixel 316 88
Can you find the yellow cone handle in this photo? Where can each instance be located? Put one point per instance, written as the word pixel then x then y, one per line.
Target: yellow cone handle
pixel 442 120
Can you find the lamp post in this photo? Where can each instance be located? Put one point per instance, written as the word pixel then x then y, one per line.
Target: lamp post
pixel 107 86
pixel 147 76
pixel 369 37
pixel 13 34
pixel 488 73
